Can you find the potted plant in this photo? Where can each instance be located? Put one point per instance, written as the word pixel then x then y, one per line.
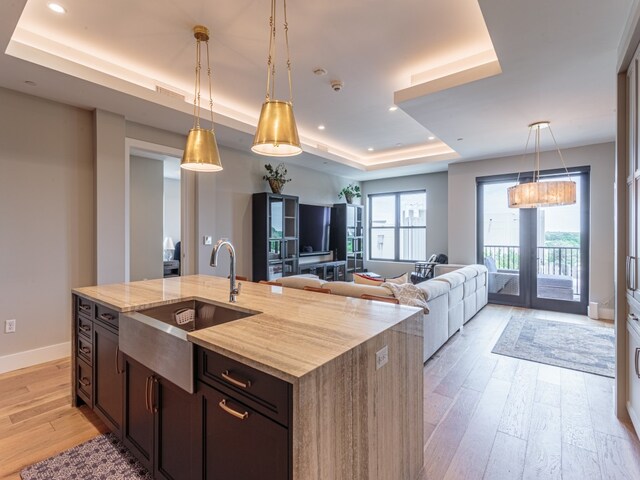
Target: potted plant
pixel 276 177
pixel 350 192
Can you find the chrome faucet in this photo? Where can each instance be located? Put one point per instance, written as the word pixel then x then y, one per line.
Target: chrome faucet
pixel 234 290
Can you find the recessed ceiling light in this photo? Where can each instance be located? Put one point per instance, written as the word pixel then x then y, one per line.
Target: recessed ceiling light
pixel 31 83
pixel 56 7
pixel 393 108
pixel 320 71
pixel 460 139
pixel 432 138
pixel 321 127
pixel 370 149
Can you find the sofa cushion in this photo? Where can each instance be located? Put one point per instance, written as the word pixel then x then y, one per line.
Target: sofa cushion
pixel 350 289
pixel 469 272
pixel 433 289
pixel 452 278
pixel 299 281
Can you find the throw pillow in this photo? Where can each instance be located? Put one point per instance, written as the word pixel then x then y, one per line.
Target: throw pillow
pixel 362 279
pixel 404 278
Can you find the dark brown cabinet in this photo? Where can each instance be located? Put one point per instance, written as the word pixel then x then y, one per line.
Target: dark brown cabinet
pixel 137 434
pixel 160 424
pixel 239 442
pixel 108 384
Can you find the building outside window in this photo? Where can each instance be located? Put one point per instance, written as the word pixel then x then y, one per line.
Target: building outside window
pixel 398 226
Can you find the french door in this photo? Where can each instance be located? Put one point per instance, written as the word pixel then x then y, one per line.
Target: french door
pixel 536 257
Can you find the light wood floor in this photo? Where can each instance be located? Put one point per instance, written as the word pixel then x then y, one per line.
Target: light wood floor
pixel 36 417
pixel 495 417
pixel 486 416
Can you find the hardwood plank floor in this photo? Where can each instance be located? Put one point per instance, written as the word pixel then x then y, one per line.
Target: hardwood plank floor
pixel 486 416
pixel 552 423
pixel 36 417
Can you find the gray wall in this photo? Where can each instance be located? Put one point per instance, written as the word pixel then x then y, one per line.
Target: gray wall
pixel 146 218
pixel 436 186
pixel 462 208
pixel 224 203
pixel 47 227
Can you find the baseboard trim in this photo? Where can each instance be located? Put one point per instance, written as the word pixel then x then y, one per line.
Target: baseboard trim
pixel 605 313
pixel 15 361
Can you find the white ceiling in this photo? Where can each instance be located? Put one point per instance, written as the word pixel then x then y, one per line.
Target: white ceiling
pixel 557 61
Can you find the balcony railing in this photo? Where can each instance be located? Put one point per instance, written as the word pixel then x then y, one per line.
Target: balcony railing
pixel 554 261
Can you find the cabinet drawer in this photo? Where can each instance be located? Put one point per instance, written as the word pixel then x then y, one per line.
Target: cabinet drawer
pixel 84 379
pixel 85 349
pixel 107 316
pixel 265 393
pixel 85 328
pixel 85 307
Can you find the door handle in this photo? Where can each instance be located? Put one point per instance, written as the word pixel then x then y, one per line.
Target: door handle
pixel 146 394
pixel 154 388
pixel 626 272
pixel 632 273
pixel 241 415
pixel 636 362
pixel 118 371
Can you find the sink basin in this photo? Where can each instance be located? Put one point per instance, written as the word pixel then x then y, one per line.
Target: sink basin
pixel 206 314
pixel 153 338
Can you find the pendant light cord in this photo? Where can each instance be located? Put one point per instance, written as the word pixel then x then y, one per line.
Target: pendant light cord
pixel 526 147
pixel 196 97
pixel 559 153
pixel 209 77
pixel 536 171
pixel 271 59
pixel 286 40
pixel 271 65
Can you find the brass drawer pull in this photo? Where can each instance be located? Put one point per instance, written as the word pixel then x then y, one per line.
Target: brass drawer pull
pixel 107 317
pixel 231 411
pixel 85 328
pixel 85 381
pixel 85 350
pixel 152 395
pixel 238 383
pixel 636 362
pixel 86 308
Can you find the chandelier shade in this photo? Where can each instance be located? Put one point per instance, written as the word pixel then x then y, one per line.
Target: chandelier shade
pixel 201 152
pixel 542 194
pixel 537 194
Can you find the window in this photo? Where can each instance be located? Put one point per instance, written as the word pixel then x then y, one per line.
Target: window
pixel 398 226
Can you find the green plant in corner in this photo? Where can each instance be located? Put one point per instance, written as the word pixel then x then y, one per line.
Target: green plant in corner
pixel 276 177
pixel 350 192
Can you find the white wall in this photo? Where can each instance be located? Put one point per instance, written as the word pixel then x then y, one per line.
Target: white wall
pixel 47 222
pixel 224 203
pixel 462 208
pixel 171 209
pixel 436 186
pixel 146 218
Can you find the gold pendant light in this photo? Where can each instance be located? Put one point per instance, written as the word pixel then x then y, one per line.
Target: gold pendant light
pixel 201 152
pixel 277 134
pixel 542 194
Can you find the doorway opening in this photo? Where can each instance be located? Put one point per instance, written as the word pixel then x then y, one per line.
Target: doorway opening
pixel 536 257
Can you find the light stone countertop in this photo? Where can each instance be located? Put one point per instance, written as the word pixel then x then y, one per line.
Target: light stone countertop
pixel 295 332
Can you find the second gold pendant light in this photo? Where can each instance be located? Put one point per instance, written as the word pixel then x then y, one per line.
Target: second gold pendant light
pixel 277 134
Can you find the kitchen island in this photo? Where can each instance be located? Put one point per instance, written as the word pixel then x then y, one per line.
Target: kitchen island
pixel 340 378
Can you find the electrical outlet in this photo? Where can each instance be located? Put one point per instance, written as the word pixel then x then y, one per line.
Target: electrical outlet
pixel 382 357
pixel 10 326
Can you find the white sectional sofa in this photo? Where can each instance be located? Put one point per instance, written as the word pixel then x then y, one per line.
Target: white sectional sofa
pixel 454 296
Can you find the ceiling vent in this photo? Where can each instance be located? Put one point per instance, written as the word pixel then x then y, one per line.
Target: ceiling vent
pixel 170 93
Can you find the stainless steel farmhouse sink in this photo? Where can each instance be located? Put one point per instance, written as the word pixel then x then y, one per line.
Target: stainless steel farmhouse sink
pixel 154 338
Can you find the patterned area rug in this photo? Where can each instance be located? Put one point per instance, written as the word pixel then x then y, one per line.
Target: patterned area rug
pixel 101 458
pixel 585 348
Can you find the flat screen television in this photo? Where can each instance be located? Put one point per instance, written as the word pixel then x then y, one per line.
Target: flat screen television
pixel 314 222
